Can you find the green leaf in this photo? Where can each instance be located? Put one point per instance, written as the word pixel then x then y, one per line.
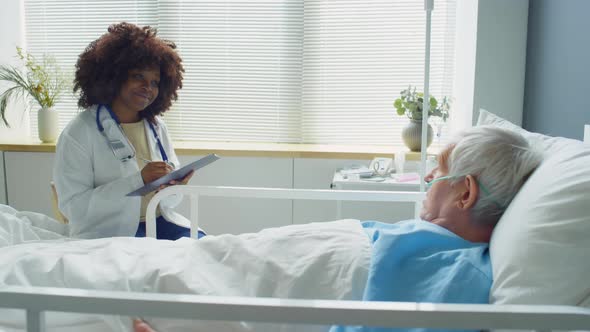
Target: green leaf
pixel 4 98
pixel 3 102
pixel 417 116
pixel 411 104
pixel 43 79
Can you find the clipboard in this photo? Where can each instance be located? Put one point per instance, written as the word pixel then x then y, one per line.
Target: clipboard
pixel 176 175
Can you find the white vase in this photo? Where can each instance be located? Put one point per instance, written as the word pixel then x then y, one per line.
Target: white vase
pixel 48 123
pixel 412 135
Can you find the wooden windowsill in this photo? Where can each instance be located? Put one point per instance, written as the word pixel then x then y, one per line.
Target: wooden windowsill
pixel 239 149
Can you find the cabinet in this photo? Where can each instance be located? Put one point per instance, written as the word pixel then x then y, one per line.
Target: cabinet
pixel 28 177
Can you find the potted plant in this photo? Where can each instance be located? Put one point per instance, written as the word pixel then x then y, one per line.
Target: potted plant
pixel 410 103
pixel 43 82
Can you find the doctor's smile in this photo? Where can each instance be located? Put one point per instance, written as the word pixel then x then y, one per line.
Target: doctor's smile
pixel 138 92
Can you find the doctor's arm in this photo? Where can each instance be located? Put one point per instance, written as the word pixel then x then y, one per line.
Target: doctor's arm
pixel 93 212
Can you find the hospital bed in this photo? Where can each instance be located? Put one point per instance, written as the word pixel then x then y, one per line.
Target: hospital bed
pixel 38 300
pixel 539 256
pixel 453 316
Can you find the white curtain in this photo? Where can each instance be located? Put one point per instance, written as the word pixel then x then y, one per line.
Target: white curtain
pixel 308 71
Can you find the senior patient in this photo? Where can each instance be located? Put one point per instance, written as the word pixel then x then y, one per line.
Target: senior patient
pixel 443 257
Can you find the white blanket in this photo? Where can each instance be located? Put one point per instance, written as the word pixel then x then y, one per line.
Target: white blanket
pixel 327 260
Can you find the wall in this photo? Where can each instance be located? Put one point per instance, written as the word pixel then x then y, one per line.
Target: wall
pixel 490 60
pixel 3 199
pixel 557 70
pixel 500 58
pixel 12 35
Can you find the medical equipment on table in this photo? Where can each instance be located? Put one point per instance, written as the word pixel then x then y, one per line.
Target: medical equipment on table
pixel 382 166
pixel 356 171
pixel 406 177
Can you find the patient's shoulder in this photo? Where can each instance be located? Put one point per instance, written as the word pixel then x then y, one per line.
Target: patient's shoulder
pixel 417 228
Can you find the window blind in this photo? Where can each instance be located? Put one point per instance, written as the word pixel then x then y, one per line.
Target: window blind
pixel 323 72
pixel 358 56
pixel 243 69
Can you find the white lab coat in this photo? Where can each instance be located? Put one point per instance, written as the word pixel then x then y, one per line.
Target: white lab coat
pixel 92 183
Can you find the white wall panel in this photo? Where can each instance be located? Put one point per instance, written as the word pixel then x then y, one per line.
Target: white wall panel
pixel 238 215
pixel 12 35
pixel 318 174
pixel 27 180
pixel 28 175
pixel 500 61
pixel 2 182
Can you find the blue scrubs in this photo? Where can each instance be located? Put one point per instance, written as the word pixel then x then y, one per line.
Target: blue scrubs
pixel 418 261
pixel 166 230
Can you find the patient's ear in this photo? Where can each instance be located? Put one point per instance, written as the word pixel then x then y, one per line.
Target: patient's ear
pixel 469 191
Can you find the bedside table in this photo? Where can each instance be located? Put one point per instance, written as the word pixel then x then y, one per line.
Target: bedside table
pixel 387 183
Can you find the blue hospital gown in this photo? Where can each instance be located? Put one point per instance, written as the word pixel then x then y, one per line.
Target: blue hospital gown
pixel 417 261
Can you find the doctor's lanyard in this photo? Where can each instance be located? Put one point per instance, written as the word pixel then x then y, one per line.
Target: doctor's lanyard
pixel 116 144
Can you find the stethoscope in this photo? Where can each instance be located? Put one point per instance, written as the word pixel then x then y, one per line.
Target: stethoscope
pixel 117 145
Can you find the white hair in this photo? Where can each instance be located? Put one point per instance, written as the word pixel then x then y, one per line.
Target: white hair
pixel 500 160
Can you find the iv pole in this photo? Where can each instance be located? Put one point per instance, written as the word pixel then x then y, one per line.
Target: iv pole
pixel 428 7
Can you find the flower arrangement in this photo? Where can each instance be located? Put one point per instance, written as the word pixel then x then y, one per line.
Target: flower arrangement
pixel 43 81
pixel 411 102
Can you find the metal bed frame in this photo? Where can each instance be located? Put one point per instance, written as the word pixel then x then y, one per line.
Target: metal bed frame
pixel 37 300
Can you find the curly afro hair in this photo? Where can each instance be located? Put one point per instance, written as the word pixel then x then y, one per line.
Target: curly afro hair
pixel 103 67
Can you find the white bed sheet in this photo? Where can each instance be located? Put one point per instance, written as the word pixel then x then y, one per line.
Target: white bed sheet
pixel 327 260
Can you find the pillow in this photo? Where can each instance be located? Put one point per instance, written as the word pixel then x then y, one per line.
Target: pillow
pixel 548 144
pixel 541 245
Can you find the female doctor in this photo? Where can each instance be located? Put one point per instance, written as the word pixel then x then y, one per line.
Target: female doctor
pixel 126 78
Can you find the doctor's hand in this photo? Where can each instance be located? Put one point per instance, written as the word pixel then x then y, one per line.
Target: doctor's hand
pixel 155 170
pixel 184 180
pixel 141 326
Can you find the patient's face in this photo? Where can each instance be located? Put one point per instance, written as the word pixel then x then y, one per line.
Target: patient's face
pixel 440 197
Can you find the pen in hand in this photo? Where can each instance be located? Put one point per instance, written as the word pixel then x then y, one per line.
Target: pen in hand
pixel 151 161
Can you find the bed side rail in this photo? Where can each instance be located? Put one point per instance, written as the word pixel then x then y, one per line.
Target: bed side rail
pixel 37 300
pixel 273 193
